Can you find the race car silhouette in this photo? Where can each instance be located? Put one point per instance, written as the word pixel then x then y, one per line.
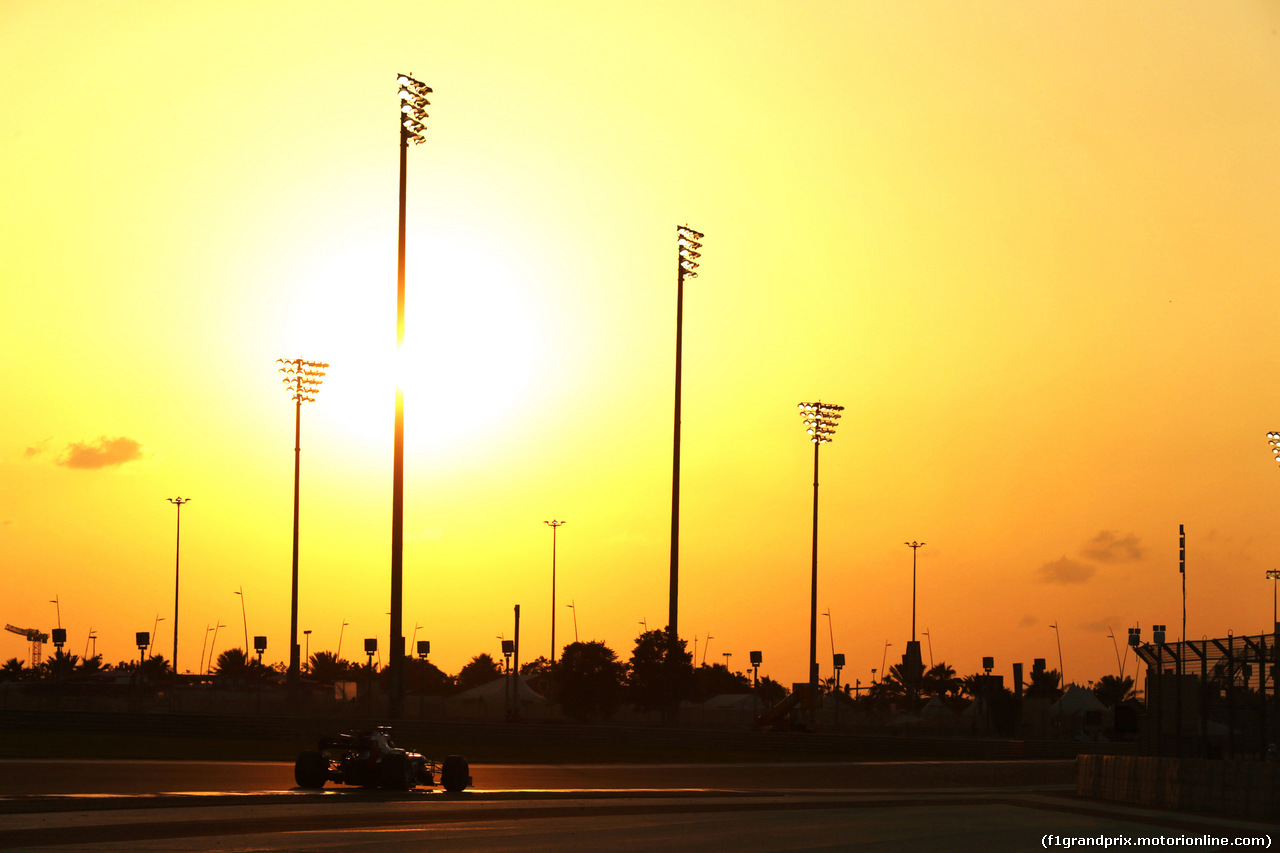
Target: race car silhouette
pixel 369 759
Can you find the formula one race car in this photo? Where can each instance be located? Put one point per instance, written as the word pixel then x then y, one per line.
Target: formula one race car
pixel 370 759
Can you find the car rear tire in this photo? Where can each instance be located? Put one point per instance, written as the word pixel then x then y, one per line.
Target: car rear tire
pixel 455 775
pixel 311 769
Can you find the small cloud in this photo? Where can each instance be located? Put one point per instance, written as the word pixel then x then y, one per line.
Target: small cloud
pixel 1110 547
pixel 1029 621
pixel 1066 571
pixel 36 449
pixel 103 453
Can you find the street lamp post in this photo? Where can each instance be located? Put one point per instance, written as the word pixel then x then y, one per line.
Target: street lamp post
pixel 554 525
pixel 914 546
pixel 412 116
pixel 688 242
pixel 214 646
pixel 1273 575
pixel 820 419
pixel 244 617
pixel 203 647
pixel 302 378
pixel 177 564
pixel 154 632
pixel 1062 675
pixel 1119 664
pixel 575 621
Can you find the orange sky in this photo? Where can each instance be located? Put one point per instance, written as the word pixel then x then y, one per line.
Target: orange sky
pixel 1029 247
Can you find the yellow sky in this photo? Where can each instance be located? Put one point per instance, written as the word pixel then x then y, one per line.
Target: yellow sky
pixel 1029 247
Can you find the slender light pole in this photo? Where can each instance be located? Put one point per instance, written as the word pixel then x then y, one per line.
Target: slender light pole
pixel 177 565
pixel 302 378
pixel 820 419
pixel 1274 576
pixel 553 524
pixel 831 633
pixel 914 546
pixel 214 645
pixel 575 620
pixel 688 242
pixel 244 616
pixel 154 632
pixel 1119 666
pixel 203 646
pixel 1062 675
pixel 412 115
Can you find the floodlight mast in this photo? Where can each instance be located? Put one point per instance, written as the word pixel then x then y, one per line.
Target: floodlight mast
pixel 688 242
pixel 177 575
pixel 820 422
pixel 412 118
pixel 302 380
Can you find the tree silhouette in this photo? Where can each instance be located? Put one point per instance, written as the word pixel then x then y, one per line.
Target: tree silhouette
pixel 13 670
pixel 541 676
pixel 715 679
pixel 238 669
pixel 232 663
pixel 1111 690
pixel 770 691
pixel 326 667
pixel 481 670
pixel 154 668
pixel 940 681
pixel 653 682
pixel 59 665
pixel 539 666
pixel 1044 685
pixel 91 664
pixel 424 677
pixel 591 678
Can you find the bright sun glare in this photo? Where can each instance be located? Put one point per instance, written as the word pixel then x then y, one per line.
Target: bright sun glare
pixel 470 332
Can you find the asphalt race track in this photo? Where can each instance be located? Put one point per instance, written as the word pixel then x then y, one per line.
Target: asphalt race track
pixel 198 806
pixel 19 777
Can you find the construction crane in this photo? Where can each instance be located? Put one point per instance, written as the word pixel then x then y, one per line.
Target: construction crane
pixel 37 638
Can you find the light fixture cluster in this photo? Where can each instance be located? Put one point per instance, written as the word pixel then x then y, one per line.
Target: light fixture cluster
pixel 413 108
pixel 1273 438
pixel 687 239
pixel 302 378
pixel 820 418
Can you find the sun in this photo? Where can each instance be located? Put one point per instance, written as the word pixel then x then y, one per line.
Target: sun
pixel 471 331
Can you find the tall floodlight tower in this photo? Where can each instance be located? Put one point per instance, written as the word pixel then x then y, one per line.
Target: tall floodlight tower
pixel 554 525
pixel 820 420
pixel 177 575
pixel 688 242
pixel 302 380
pixel 412 117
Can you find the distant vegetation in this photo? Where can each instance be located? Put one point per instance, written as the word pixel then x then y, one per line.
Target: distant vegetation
pixel 589 681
